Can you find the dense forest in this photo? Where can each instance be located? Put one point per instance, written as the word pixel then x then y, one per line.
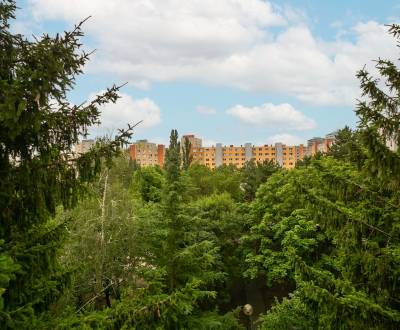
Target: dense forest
pixel 94 241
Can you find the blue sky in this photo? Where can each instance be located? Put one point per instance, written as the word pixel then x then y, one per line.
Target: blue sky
pixel 230 71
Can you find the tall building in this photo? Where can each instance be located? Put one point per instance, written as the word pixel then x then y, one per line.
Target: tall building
pixel 147 154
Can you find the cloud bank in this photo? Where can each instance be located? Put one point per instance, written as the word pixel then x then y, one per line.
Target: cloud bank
pixel 128 110
pixel 246 44
pixel 270 115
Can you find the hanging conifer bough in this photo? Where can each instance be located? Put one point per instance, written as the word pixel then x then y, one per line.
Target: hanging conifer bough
pixel 332 228
pixel 38 128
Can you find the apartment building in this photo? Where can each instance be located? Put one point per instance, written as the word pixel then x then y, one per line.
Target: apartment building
pixel 322 145
pixel 194 141
pixel 218 155
pixel 147 154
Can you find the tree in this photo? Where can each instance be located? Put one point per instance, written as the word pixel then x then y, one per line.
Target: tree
pixel 226 178
pixel 348 147
pixel 379 117
pixel 187 153
pixel 103 244
pixel 254 174
pixel 332 227
pixel 323 231
pixel 179 264
pixel 148 182
pixel 38 128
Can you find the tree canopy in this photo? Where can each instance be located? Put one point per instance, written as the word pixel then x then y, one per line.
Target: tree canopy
pixel 94 241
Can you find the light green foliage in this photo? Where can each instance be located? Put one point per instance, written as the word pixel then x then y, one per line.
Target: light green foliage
pixel 284 232
pixel 103 245
pixel 348 147
pixel 331 227
pixel 324 228
pixel 291 313
pixel 148 182
pixel 203 181
pixel 201 178
pixel 175 266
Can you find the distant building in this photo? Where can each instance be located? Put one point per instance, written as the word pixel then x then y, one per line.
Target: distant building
pixel 150 154
pixel 322 145
pixel 194 141
pixel 218 155
pixel 147 154
pixel 84 146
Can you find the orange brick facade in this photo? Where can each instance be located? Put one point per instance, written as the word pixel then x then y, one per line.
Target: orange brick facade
pixel 150 154
pixel 147 154
pixel 218 155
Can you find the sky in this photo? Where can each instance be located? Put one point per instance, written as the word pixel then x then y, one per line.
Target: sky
pixel 228 71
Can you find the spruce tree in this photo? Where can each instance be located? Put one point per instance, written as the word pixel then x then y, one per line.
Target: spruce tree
pixel 331 228
pixel 172 206
pixel 39 172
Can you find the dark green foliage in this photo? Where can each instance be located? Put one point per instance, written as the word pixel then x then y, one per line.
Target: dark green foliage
pixel 202 180
pixel 227 179
pixel 224 179
pixel 348 147
pixel 38 127
pixel 152 248
pixel 149 182
pixel 253 175
pixel 325 229
pixel 223 223
pixel 147 310
pixel 333 226
pixel 187 154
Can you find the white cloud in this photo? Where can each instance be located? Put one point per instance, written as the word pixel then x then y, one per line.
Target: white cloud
pixel 206 110
pixel 224 42
pixel 270 115
pixel 127 110
pixel 285 138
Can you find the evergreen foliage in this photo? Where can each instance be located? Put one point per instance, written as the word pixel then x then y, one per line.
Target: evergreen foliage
pixel 178 247
pixel 187 153
pixel 332 227
pixel 348 147
pixel 254 174
pixel 38 127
